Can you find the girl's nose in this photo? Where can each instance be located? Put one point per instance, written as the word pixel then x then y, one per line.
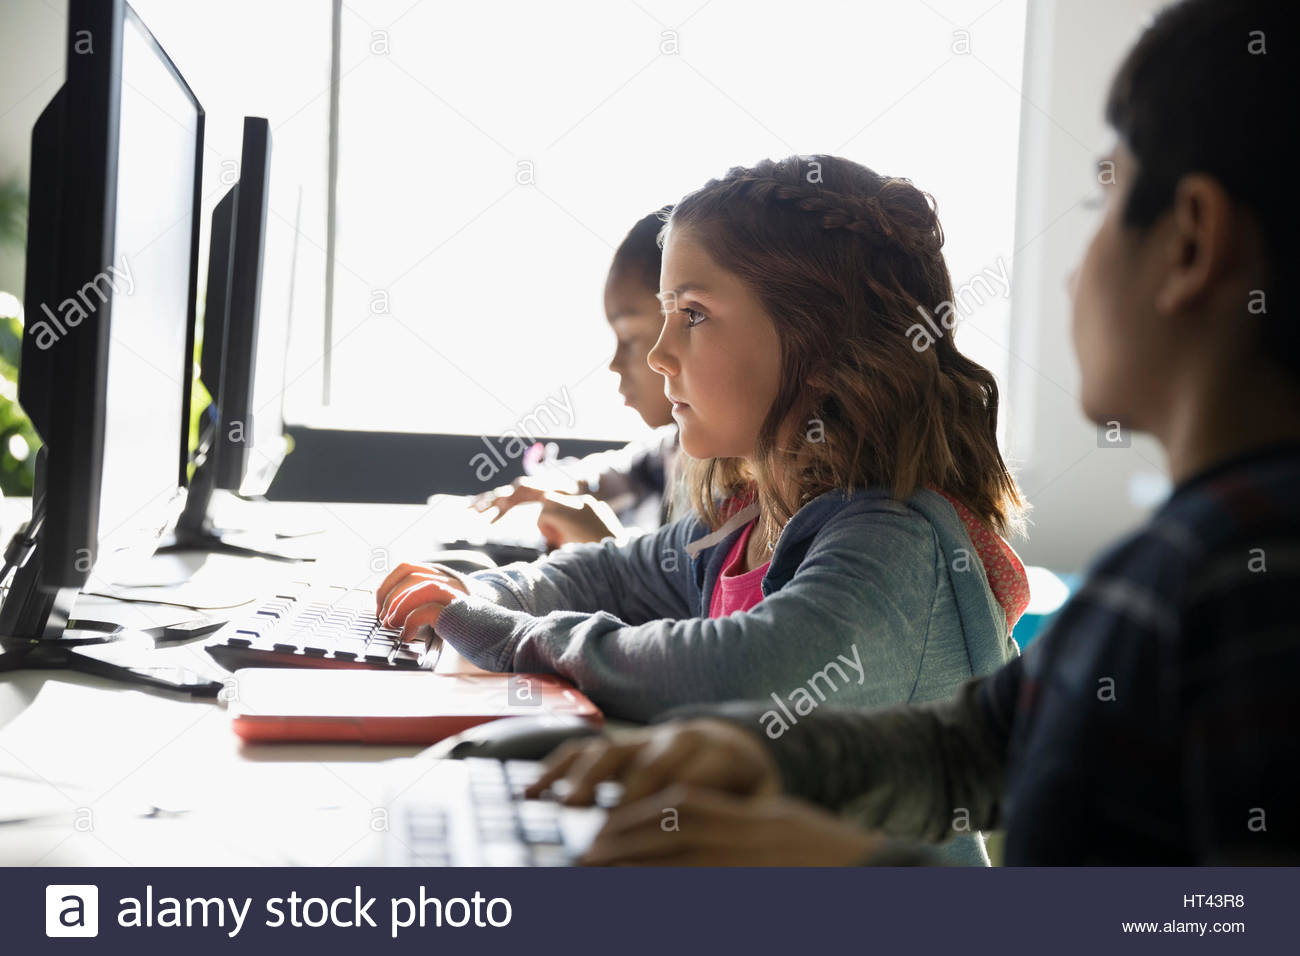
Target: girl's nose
pixel 660 357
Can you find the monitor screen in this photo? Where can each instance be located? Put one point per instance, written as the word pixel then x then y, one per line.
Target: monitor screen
pixel 151 284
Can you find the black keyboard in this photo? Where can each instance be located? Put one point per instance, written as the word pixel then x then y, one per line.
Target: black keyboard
pixel 318 626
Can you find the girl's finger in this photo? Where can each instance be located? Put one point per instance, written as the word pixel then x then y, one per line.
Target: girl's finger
pixel 418 576
pixel 424 616
pixel 395 592
pixel 422 592
pixel 394 576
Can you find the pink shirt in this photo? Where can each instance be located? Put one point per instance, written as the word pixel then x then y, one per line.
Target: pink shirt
pixel 737 592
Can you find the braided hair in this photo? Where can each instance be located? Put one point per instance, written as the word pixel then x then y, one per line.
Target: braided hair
pixel 842 258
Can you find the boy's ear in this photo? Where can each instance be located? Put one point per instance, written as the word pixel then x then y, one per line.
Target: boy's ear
pixel 1200 240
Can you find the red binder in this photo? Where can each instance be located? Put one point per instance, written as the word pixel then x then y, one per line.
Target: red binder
pixel 389 707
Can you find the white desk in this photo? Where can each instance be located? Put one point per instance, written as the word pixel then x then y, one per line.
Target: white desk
pixel 98 755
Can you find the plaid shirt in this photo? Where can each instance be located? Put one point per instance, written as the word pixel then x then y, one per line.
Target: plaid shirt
pixel 1155 722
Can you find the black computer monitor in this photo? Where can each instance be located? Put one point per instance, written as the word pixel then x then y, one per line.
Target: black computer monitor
pixel 233 454
pixel 109 335
pixel 234 441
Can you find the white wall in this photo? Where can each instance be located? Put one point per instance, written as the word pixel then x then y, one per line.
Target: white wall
pixel 31 71
pixel 1082 494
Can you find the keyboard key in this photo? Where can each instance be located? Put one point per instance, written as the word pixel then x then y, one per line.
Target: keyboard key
pixel 501 854
pixel 406 655
pixel 550 856
pixel 543 835
pixel 608 794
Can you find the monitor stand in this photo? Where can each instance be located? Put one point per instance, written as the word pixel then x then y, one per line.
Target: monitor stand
pixel 195 531
pixel 37 630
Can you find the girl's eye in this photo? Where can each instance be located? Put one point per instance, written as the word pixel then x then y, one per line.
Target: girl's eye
pixel 693 317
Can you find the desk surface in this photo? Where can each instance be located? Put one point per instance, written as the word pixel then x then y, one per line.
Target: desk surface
pixel 107 774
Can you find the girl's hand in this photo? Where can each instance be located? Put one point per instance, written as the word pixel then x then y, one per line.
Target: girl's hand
pixel 569 518
pixel 700 753
pixel 689 826
pixel 414 595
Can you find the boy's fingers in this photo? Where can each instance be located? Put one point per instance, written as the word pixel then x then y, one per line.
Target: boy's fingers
pixel 635 832
pixel 557 765
pixel 659 764
pixel 595 766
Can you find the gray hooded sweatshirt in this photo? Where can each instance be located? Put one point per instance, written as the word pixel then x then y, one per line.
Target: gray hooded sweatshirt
pixel 867 602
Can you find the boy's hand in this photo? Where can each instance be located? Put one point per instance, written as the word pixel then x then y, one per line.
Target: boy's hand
pixel 413 596
pixel 689 826
pixel 700 753
pixel 569 518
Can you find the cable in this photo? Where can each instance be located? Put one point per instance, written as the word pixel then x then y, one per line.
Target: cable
pixel 189 607
pixel 23 540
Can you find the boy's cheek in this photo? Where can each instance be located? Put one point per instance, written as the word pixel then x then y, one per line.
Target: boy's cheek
pixel 1088 333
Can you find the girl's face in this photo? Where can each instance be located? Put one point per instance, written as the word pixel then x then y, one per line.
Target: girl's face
pixel 634 315
pixel 718 352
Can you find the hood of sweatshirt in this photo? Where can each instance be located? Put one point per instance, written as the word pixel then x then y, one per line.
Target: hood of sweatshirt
pixel 992 598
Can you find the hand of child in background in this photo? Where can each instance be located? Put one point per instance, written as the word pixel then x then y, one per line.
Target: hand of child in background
pixel 569 518
pixel 693 826
pixel 413 595
pixel 521 492
pixel 711 754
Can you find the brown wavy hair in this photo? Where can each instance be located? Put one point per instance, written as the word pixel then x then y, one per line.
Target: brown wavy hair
pixel 841 258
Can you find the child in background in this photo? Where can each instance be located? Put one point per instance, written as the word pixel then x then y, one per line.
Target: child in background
pixel 1154 723
pixel 848 490
pixel 639 483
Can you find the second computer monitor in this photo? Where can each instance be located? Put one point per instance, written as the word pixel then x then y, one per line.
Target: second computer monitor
pixel 239 418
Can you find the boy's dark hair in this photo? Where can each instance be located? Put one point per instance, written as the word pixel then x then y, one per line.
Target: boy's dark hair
pixel 1210 88
pixel 638 256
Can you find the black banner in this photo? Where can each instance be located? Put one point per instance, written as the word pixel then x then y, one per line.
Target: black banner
pixel 630 911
